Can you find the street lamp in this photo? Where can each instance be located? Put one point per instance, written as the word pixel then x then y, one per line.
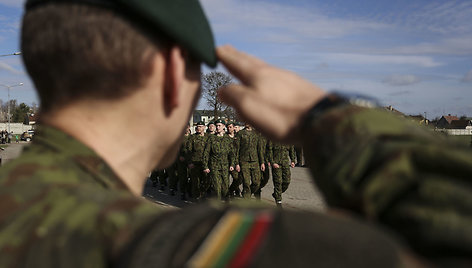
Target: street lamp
pixel 8 87
pixel 12 54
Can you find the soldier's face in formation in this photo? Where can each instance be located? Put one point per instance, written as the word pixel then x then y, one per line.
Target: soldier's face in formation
pixel 212 128
pixel 220 128
pixel 230 128
pixel 200 128
pixel 236 129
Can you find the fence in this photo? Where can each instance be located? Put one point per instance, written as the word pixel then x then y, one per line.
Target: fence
pixel 17 128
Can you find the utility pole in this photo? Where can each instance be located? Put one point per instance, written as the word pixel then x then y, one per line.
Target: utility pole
pixel 8 87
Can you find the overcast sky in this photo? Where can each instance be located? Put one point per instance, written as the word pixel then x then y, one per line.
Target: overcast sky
pixel 413 55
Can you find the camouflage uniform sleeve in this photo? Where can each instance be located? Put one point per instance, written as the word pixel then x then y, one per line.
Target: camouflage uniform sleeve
pixel 206 153
pixel 189 149
pixel 231 151
pixel 261 150
pixel 292 153
pixel 237 148
pixel 186 149
pixel 395 173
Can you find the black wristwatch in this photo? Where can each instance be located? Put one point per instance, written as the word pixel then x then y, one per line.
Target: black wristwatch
pixel 336 99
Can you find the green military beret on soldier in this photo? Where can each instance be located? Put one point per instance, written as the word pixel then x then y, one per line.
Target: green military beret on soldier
pixel 220 122
pixel 183 21
pixel 200 123
pixel 211 123
pixel 230 123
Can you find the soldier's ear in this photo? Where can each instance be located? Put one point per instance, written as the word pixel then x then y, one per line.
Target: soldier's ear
pixel 174 77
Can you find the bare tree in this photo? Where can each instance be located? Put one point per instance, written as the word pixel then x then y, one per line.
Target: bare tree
pixel 211 82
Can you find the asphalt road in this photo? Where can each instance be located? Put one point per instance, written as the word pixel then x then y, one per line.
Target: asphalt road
pixel 11 151
pixel 301 194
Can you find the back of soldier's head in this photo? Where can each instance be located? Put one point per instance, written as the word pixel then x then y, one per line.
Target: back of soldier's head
pixel 103 49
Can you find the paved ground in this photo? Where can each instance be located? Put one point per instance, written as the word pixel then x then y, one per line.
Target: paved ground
pixel 11 151
pixel 301 194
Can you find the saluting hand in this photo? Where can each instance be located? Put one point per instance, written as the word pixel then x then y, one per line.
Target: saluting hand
pixel 276 118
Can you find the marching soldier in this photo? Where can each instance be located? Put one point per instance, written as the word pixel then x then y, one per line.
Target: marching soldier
pixel 196 146
pixel 182 164
pixel 234 187
pixel 250 160
pixel 218 160
pixel 279 158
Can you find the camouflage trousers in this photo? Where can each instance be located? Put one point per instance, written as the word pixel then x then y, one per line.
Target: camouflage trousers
pixel 251 178
pixel 219 179
pixel 264 180
pixel 198 181
pixel 281 178
pixel 236 182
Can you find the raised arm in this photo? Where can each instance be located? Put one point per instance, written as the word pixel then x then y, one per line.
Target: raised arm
pixel 369 161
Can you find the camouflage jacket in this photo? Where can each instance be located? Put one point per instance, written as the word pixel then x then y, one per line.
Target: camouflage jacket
pixel 280 153
pixel 248 147
pixel 62 206
pixel 183 152
pixel 219 153
pixel 196 146
pixel 264 145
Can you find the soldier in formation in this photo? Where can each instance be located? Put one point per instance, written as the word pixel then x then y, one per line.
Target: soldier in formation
pixel 282 158
pixel 249 159
pixel 234 189
pixel 195 148
pixel 218 160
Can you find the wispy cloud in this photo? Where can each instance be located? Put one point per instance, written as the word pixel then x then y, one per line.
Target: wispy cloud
pixel 421 61
pixel 400 93
pixel 13 3
pixel 445 17
pixel 271 19
pixel 401 80
pixel 467 77
pixel 6 67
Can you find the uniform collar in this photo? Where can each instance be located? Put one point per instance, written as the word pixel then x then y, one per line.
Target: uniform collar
pixel 53 139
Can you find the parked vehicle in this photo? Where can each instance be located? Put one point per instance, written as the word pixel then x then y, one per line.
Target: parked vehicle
pixel 27 135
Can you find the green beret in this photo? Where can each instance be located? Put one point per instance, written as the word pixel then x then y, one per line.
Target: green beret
pixel 182 20
pixel 220 121
pixel 211 123
pixel 200 123
pixel 230 123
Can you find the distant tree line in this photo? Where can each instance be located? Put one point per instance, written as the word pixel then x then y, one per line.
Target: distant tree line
pixel 18 112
